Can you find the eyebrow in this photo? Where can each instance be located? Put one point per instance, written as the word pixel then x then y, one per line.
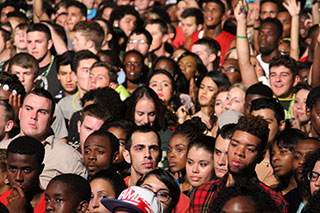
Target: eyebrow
pixel 246 144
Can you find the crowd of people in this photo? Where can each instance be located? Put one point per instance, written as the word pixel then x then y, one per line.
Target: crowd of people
pixel 159 106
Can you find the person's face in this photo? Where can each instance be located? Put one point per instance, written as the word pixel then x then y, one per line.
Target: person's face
pixel 181 6
pixel 281 160
pixel 74 17
pixel 62 20
pixel 304 74
pixel 207 89
pixel 315 119
pixel 239 204
pixel 106 13
pixel 100 188
pixel 4 13
pixel 304 25
pixel 121 135
pixel 145 112
pixel 133 66
pixel 142 5
pixel 282 81
pixel 199 166
pixel 165 65
pixel 257 67
pixel 144 153
pixel 35 116
pixel 243 153
pixel 20 39
pixel 23 170
pixel 59 199
pixel 177 153
pixel 268 10
pixel 301 150
pixel 80 42
pixel 83 70
pixel 201 51
pixel 189 26
pixel 97 154
pixel 248 101
pixel 268 38
pixel 188 66
pixel 38 44
pixel 157 36
pixel 284 48
pixel 269 116
pixel 235 100
pixel 219 105
pixel 98 78
pixel 220 156
pixel 299 106
pixel 88 125
pixel 315 185
pixel 161 84
pixel 231 69
pixel 212 14
pixel 285 18
pixel 26 76
pixel 139 43
pixel 127 24
pixel 155 185
pixel 67 78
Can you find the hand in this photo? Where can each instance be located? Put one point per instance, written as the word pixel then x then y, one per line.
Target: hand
pixel 17 202
pixel 256 10
pixel 15 102
pixel 292 6
pixel 239 14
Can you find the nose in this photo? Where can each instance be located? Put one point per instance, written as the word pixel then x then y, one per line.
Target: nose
pixel 222 160
pixel 92 156
pixel 95 202
pixel 145 119
pixel 49 206
pixel 147 154
pixel 240 151
pixel 301 161
pixel 171 155
pixel 34 115
pixel 68 77
pixel 275 157
pixel 195 168
pixel 159 87
pixel 18 177
pixel 21 77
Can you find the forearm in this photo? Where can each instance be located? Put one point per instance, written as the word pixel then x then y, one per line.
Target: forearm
pixel 294 43
pixel 315 76
pixel 315 13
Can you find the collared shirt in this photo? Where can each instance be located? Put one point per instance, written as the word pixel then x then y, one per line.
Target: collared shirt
pixel 59 158
pixel 203 196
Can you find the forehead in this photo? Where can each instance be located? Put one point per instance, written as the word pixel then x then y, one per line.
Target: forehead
pixel 280 69
pixel 138 37
pixel 245 138
pixel 189 19
pixel 307 145
pixel 268 27
pixel 17 67
pixel 86 62
pixel 144 138
pixel 153 26
pixel 73 9
pixel 36 35
pixel 265 113
pixel 132 56
pixel 99 70
pixel 230 62
pixel 221 143
pixel 22 159
pixel 160 76
pixel 129 16
pixel 212 5
pixel 283 15
pixel 58 188
pixel 100 140
pixel 37 101
pixel 269 6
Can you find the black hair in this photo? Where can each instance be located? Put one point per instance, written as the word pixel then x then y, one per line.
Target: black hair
pixel 113 55
pixel 220 79
pixel 263 203
pixel 311 160
pixel 82 55
pixel 226 131
pixel 41 28
pixel 193 12
pixel 26 145
pixel 276 23
pixel 313 205
pixel 13 84
pixel 313 97
pixel 259 89
pixel 167 179
pixel 5 34
pixel 289 138
pixel 143 31
pixel 126 125
pixel 80 6
pixel 271 1
pixel 203 141
pixel 76 185
pixel 218 2
pixel 65 59
pixel 191 129
pixel 120 11
pixel 114 179
pixel 269 103
pixel 45 94
pixel 213 47
pixel 286 61
pixel 163 25
pixel 141 129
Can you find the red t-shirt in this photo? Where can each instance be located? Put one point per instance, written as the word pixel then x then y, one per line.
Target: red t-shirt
pixel 179 39
pixel 40 208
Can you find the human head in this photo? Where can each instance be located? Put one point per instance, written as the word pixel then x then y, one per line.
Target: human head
pixel 140 39
pixel 10 85
pixel 272 111
pixel 101 150
pixel 236 97
pixel 6 119
pixel 285 19
pixel 26 68
pixel 231 69
pixel 19 37
pixel 200 165
pixel 92 118
pixel 283 76
pixel 88 35
pixel 102 75
pixel 299 106
pixel 76 12
pixel 270 32
pixel 6 8
pixel 213 12
pixel 159 32
pixel 165 179
pixel 133 62
pixel 268 9
pixel 192 20
pixel 313 104
pixel 311 171
pixel 76 197
pixel 25 152
pixel 65 73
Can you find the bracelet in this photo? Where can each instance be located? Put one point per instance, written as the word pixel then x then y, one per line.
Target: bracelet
pixel 241 36
pixel 256 28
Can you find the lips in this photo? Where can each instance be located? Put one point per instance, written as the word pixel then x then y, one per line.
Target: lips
pixel 195 178
pixel 277 168
pixel 172 164
pixel 236 163
pixel 160 95
pixel 148 165
pixel 33 126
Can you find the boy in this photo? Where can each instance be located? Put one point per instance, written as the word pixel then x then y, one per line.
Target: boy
pixel 101 151
pixel 72 190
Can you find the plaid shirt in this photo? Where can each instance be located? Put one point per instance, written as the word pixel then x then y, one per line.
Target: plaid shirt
pixel 202 197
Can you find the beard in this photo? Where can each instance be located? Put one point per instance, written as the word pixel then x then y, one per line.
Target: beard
pixel 245 171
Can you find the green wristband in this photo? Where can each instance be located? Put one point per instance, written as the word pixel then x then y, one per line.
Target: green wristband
pixel 241 36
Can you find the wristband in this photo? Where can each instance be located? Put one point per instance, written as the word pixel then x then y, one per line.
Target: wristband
pixel 256 28
pixel 241 36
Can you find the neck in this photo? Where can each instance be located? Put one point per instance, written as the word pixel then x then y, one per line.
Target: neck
pixel 288 96
pixel 213 32
pixel 5 55
pixel 131 87
pixel 232 179
pixel 134 177
pixel 205 110
pixel 267 58
pixel 210 67
pixel 161 51
pixel 81 92
pixel 45 61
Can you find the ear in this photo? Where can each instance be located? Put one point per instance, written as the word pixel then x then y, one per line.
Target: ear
pixel 9 126
pixel 83 18
pixel 116 23
pixel 50 44
pixel 109 37
pixel 212 57
pixel 151 3
pixel 8 44
pixel 199 27
pixel 296 80
pixel 112 85
pixel 115 157
pixel 83 206
pixel 165 38
pixel 79 125
pixel 282 125
pixel 126 156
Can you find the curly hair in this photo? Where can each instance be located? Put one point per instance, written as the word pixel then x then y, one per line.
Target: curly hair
pixel 256 126
pixel 12 83
pixel 261 200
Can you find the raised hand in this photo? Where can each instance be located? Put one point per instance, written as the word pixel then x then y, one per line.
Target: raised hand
pixel 292 6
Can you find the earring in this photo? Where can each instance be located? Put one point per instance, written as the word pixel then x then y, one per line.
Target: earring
pixel 6 181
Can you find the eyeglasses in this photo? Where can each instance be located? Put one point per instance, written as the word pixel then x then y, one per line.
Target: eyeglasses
pixel 228 70
pixel 135 41
pixel 129 64
pixel 313 176
pixel 161 195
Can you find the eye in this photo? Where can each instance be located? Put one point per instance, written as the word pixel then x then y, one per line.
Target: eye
pixel 189 162
pixel 297 156
pixel 27 170
pixel 203 164
pixel 87 151
pixel 59 200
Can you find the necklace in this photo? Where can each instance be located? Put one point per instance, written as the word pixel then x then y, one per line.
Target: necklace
pixel 74 102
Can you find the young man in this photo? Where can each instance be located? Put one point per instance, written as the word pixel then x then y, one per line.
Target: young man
pixel 313 108
pixel 26 68
pixel 269 9
pixel 283 78
pixel 24 165
pixel 4 46
pixel 140 40
pixel 6 120
pixel 88 36
pixel 76 12
pixel 272 111
pixel 39 44
pixel 142 151
pixel 192 21
pixel 246 149
pixel 159 32
pixel 65 73
pixel 36 116
pixel 143 5
pixel 63 195
pixel 209 51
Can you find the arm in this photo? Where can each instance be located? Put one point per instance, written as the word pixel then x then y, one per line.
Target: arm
pixel 256 24
pixel 315 13
pixel 247 71
pixel 59 44
pixel 38 12
pixel 315 78
pixel 294 10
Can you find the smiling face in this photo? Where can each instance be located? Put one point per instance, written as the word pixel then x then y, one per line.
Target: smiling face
pixel 207 89
pixel 212 14
pixel 199 167
pixel 177 153
pixel 299 106
pixel 161 84
pixel 97 154
pixel 100 188
pixel 281 160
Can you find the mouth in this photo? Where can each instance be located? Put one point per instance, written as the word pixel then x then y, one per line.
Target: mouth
pixel 221 170
pixel 172 164
pixel 160 95
pixel 148 165
pixel 236 163
pixel 33 126
pixel 277 168
pixel 195 178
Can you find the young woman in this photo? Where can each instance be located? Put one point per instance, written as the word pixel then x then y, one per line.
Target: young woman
pixel 236 97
